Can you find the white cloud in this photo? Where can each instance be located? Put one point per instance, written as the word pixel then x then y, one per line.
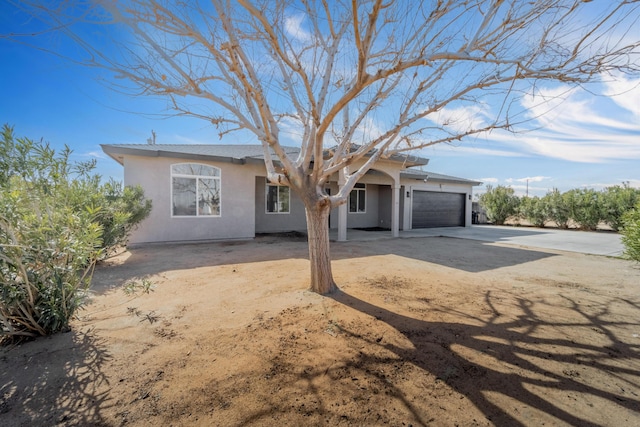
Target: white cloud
pixel 561 109
pixel 519 190
pixel 488 180
pixel 541 102
pixel 94 154
pixel 291 128
pixel 530 191
pixel 293 27
pixel 532 179
pixel 368 130
pixel 457 150
pixel 563 123
pixel 624 92
pixel 634 183
pixel 572 125
pixel 461 119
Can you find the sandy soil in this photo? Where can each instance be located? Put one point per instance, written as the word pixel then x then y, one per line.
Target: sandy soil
pixel 425 331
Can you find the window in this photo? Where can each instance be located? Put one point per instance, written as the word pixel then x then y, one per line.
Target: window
pixel 357 198
pixel 277 199
pixel 195 190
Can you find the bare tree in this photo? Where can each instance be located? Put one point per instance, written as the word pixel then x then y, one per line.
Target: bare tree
pixel 359 81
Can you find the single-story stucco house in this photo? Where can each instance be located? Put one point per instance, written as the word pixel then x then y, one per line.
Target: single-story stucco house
pixel 211 192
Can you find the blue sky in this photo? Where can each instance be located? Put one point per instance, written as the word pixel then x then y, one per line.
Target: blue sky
pixel 584 141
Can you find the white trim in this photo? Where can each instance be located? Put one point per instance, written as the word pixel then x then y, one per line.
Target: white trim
pixel 196 178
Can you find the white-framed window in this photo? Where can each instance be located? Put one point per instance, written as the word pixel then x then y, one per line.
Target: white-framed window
pixel 195 190
pixel 357 199
pixel 277 199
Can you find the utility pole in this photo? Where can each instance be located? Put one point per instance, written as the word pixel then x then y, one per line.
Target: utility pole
pixel 152 140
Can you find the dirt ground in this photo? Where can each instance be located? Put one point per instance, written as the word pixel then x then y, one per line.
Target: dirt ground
pixel 425 331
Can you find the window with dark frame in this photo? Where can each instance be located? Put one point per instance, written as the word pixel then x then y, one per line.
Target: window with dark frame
pixel 277 199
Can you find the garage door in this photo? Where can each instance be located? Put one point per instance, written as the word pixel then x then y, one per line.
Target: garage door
pixel 435 209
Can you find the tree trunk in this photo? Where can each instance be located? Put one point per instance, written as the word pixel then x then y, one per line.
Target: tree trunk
pixel 319 255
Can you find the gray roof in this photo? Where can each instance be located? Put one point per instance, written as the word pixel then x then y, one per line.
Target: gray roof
pixel 241 154
pixel 227 153
pixel 236 153
pixel 437 177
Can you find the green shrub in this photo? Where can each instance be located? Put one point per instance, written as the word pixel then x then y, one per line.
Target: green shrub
pixel 584 207
pixel 499 203
pixel 557 207
pixel 616 201
pixel 116 208
pixel 56 221
pixel 46 259
pixel 534 210
pixel 122 210
pixel 631 233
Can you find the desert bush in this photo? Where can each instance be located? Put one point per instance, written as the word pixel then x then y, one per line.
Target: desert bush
pixel 116 208
pixel 584 207
pixel 46 258
pixel 630 231
pixel 534 210
pixel 499 203
pixel 557 207
pixel 124 207
pixel 615 201
pixel 56 221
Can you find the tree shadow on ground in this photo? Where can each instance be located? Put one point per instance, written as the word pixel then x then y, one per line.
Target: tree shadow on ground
pixel 60 381
pixel 466 255
pixel 524 366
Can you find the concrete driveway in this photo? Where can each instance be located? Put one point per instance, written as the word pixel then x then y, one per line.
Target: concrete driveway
pixel 587 242
pixel 597 243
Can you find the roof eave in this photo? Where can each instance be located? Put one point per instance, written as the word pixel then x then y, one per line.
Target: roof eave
pixel 427 176
pixel 112 151
pixel 409 161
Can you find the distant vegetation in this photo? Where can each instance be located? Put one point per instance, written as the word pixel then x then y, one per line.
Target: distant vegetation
pixel 631 233
pixel 617 206
pixel 57 219
pixel 499 203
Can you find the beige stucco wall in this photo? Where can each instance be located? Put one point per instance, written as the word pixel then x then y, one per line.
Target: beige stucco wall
pixel 237 219
pixel 265 222
pixel 241 217
pixel 295 220
pixel 369 218
pixel 375 212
